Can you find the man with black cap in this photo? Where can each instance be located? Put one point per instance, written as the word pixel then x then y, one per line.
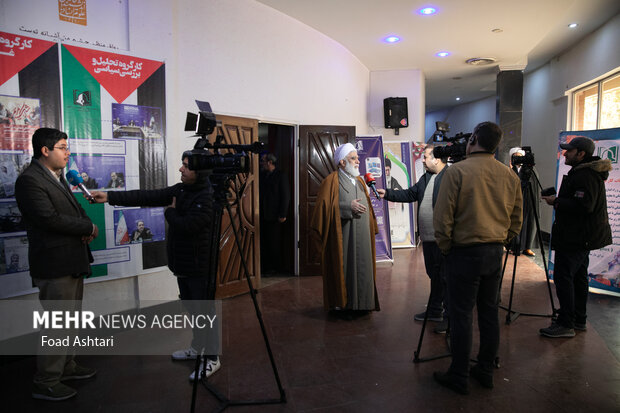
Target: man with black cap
pixel 581 225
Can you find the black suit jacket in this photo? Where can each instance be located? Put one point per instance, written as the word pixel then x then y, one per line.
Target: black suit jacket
pixel 55 223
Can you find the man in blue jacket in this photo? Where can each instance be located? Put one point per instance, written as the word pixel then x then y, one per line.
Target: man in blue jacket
pixel 430 181
pixel 581 225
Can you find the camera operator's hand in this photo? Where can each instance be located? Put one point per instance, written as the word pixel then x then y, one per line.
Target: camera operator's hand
pixel 549 199
pixel 99 197
pixel 357 207
pixel 381 192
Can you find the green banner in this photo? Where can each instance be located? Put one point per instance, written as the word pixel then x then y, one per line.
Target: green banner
pixel 81 98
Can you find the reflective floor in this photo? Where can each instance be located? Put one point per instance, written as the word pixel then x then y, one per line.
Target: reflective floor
pixel 328 364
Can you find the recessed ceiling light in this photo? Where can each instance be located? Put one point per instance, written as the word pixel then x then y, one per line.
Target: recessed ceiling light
pixel 392 39
pixel 458 98
pixel 573 25
pixel 497 30
pixel 427 11
pixel 442 54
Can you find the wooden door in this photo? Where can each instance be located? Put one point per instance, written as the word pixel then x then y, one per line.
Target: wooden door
pixel 316 161
pixel 231 279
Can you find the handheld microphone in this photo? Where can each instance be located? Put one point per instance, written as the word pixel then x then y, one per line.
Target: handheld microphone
pixel 74 178
pixel 370 181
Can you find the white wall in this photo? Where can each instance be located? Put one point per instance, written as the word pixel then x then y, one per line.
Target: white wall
pixel 397 83
pixel 545 106
pixel 462 118
pixel 247 60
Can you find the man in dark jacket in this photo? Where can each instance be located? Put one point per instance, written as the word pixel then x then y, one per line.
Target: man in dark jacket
pixel 274 197
pixel 581 225
pixel 431 180
pixel 190 224
pixel 59 232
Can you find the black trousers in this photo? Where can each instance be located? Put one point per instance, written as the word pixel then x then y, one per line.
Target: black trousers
pixel 473 275
pixel 433 261
pixel 195 289
pixel 271 245
pixel 570 276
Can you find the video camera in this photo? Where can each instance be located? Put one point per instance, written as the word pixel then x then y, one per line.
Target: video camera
pixel 455 150
pixel 525 160
pixel 205 155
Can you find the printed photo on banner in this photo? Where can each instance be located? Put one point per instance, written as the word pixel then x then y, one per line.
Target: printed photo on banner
pixel 19 118
pixel 10 218
pixel 11 165
pixel 136 122
pixel 397 177
pixel 99 172
pixel 13 254
pixel 139 225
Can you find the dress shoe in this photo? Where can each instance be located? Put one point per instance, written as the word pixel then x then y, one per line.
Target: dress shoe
pixel 529 253
pixel 485 379
pixel 451 381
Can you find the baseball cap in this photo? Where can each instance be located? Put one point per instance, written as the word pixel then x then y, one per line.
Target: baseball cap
pixel 581 143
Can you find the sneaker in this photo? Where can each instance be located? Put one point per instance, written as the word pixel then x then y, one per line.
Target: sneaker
pixel 442 327
pixel 431 317
pixel 211 367
pixel 452 382
pixel 188 354
pixel 56 392
pixel 581 326
pixel 557 330
pixel 485 379
pixel 78 373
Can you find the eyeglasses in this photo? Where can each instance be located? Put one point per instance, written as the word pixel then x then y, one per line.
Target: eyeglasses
pixel 62 148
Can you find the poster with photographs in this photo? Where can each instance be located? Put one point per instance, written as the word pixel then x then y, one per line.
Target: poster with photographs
pixel 19 118
pixel 136 122
pixel 100 172
pixel 133 226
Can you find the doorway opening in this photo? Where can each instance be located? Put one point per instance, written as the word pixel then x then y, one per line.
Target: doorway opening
pixel 279 140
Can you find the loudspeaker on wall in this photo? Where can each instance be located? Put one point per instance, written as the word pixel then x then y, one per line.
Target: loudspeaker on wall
pixel 395 113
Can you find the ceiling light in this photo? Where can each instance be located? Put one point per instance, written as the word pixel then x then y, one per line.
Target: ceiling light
pixel 442 54
pixel 458 98
pixel 427 11
pixel 573 25
pixel 392 39
pixel 497 30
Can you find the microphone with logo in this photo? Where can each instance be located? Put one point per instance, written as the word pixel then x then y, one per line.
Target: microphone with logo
pixel 370 181
pixel 74 178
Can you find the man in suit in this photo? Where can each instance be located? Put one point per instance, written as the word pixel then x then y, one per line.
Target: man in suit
pixel 59 232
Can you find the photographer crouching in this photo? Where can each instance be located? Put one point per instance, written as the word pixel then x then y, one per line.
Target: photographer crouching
pixel 478 211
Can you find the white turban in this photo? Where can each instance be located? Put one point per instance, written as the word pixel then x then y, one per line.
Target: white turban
pixel 342 151
pixel 515 150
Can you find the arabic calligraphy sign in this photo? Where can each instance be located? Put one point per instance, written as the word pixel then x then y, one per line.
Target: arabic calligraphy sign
pixel 73 11
pixel 119 74
pixel 17 52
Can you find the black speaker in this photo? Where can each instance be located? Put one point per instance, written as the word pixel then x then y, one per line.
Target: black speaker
pixel 395 113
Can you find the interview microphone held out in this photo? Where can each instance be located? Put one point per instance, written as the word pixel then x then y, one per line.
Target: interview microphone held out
pixel 74 178
pixel 370 181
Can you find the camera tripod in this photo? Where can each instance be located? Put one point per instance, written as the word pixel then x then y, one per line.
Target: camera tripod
pixel 416 353
pixel 525 175
pixel 221 184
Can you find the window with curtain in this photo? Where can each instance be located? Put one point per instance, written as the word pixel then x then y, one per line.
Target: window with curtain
pixel 597 106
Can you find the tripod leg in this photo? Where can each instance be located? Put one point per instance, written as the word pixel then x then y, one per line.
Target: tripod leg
pixel 416 354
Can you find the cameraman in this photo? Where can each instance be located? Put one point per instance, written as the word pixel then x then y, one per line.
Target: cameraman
pixel 189 217
pixel 430 181
pixel 478 210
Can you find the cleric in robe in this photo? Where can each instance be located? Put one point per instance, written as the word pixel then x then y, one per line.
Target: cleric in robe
pixel 343 230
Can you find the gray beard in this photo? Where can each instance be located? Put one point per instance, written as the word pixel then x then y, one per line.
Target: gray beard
pixel 351 170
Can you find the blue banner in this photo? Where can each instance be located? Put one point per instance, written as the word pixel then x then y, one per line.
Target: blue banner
pixel 370 152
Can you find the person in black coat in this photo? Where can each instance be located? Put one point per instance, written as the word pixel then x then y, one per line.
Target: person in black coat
pixel 581 225
pixel 274 197
pixel 190 224
pixel 59 232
